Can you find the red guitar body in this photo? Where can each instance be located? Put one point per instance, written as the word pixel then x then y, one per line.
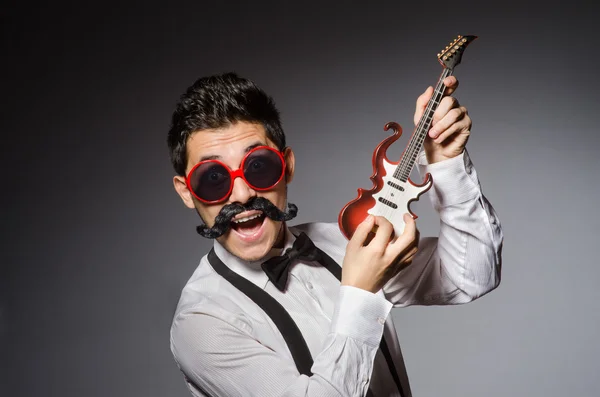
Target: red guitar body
pixel 367 201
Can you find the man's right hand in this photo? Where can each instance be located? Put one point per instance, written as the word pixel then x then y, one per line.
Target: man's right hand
pixel 370 266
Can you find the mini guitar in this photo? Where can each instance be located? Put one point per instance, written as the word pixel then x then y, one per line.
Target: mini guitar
pixel 393 191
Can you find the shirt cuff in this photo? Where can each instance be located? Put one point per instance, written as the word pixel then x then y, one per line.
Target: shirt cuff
pixel 360 315
pixel 455 180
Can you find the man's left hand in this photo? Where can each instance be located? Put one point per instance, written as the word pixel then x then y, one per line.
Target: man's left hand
pixel 450 126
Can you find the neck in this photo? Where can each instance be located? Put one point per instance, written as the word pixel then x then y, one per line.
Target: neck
pixel 280 242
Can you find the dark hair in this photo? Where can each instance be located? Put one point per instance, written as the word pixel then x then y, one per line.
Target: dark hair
pixel 216 102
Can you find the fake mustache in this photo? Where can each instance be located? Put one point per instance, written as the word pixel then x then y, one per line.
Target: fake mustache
pixel 229 211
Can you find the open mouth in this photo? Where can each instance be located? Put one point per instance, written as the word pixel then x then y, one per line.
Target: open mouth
pixel 248 225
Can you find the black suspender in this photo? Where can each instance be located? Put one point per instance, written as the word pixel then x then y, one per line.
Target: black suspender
pixel 284 322
pixel 288 328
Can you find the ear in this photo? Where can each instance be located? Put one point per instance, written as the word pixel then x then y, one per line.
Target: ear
pixel 290 162
pixel 183 191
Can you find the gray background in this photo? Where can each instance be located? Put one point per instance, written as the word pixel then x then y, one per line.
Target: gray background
pixel 97 245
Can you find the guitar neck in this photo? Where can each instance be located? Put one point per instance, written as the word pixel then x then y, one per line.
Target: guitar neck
pixel 415 144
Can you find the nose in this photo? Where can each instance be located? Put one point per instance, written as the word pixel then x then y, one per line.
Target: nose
pixel 241 192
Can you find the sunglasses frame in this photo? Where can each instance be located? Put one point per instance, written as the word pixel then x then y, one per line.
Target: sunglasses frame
pixel 238 173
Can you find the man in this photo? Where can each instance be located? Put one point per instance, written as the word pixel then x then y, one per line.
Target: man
pixel 233 166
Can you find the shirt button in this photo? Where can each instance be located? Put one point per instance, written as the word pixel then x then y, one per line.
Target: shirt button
pixel 309 285
pixel 365 378
pixel 381 320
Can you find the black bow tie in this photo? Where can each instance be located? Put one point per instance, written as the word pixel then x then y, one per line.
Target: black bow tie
pixel 278 267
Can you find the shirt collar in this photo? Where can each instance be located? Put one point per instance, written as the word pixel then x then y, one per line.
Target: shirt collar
pixel 252 271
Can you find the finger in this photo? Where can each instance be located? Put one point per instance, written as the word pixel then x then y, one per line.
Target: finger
pixel 446 104
pixel 422 101
pixel 461 127
pixel 407 255
pixel 361 233
pixel 407 239
pixel 456 120
pixel 451 84
pixel 383 234
pixel 410 227
pixel 447 117
pixel 406 259
pixel 417 234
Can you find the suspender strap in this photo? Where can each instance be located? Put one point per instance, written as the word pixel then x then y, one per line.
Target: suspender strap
pixel 284 322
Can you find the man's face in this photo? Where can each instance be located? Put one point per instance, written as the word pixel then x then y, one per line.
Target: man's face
pixel 249 240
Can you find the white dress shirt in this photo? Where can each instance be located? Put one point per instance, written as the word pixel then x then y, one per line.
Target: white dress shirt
pixel 226 345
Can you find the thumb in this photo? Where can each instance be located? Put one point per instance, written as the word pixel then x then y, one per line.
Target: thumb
pixel 422 103
pixel 361 233
pixel 410 228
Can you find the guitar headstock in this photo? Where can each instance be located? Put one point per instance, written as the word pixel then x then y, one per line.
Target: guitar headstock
pixel 450 56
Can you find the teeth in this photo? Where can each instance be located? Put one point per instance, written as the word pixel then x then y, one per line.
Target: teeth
pixel 246 219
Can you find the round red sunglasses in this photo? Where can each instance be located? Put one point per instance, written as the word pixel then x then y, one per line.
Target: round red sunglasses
pixel 211 181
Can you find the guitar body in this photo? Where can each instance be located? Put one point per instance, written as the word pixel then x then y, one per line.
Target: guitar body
pixel 389 197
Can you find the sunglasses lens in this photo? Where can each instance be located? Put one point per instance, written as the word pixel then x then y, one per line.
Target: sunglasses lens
pixel 263 168
pixel 210 181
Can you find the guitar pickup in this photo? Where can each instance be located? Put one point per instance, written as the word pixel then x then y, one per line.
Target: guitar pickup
pixel 387 202
pixel 395 186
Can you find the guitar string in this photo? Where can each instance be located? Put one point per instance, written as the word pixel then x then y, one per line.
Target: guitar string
pixel 403 170
pixel 414 147
pixel 407 161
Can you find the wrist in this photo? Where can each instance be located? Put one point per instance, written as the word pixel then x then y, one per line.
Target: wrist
pixel 436 157
pixel 365 286
pixel 360 315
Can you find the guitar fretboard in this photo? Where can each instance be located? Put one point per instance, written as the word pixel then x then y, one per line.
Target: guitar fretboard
pixel 415 144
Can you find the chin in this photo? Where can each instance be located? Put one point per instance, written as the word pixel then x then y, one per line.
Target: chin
pixel 255 244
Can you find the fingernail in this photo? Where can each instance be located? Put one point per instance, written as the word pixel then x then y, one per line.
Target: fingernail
pixel 433 133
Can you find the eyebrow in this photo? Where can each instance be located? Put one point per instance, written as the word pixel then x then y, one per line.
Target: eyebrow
pixel 217 157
